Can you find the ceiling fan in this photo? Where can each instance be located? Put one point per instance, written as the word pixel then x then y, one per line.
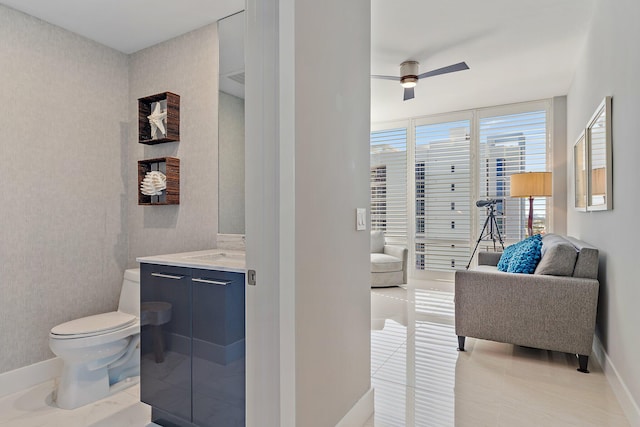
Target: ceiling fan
pixel 409 75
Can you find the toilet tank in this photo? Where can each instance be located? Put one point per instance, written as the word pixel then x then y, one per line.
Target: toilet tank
pixel 130 293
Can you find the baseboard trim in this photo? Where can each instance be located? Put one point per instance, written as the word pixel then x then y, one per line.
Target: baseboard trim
pixel 628 404
pixel 360 412
pixel 29 376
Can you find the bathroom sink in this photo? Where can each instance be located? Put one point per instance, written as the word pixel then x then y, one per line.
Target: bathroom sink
pixel 210 259
pixel 218 256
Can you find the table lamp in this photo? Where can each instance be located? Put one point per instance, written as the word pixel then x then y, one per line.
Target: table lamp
pixel 531 184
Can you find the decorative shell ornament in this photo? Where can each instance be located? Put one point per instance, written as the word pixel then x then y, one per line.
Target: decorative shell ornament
pixel 153 183
pixel 157 120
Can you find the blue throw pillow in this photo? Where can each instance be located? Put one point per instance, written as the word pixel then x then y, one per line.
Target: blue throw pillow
pixel 522 257
pixel 526 256
pixel 503 264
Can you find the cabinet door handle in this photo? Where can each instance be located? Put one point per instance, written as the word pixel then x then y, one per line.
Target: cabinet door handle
pixel 167 276
pixel 212 282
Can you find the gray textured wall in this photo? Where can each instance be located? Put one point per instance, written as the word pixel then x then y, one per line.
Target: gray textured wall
pixel 63 169
pixel 231 164
pixel 186 65
pixel 70 222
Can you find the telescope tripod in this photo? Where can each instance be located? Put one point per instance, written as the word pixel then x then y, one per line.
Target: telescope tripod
pixel 489 232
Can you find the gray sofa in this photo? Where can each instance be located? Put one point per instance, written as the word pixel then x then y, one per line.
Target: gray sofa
pixel 552 309
pixel 388 262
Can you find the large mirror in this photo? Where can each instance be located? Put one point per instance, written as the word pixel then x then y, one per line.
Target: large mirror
pixel 598 134
pixel 231 125
pixel 580 173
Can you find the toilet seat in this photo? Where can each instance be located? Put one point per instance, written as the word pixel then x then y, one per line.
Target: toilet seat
pixel 69 342
pixel 90 326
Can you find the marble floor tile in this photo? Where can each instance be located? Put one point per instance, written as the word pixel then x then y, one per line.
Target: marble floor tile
pixel 34 408
pixel 426 382
pixel 419 379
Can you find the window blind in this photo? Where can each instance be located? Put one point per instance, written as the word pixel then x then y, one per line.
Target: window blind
pixel 389 183
pixel 442 194
pixel 511 144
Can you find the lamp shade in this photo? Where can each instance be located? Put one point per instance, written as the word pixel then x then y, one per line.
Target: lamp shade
pixel 531 184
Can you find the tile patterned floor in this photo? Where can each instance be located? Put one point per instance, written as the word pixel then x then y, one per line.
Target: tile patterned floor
pixel 420 379
pixel 34 408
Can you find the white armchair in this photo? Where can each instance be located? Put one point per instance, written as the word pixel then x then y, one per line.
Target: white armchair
pixel 388 262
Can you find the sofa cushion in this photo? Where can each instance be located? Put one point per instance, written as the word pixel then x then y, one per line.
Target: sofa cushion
pixel 521 257
pixel 488 269
pixel 526 256
pixel 503 264
pixel 558 256
pixel 377 241
pixel 382 263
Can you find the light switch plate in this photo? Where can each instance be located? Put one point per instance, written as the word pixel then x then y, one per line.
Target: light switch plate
pixel 361 219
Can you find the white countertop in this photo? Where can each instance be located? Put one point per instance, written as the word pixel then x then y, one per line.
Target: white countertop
pixel 211 259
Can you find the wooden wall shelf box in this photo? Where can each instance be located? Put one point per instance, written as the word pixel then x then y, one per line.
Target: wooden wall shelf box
pixel 170 166
pixel 172 122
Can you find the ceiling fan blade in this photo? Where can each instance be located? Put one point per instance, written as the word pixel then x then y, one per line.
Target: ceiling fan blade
pixel 444 70
pixel 377 76
pixel 408 93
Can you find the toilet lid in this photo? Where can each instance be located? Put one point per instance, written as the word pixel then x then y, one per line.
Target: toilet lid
pixel 99 323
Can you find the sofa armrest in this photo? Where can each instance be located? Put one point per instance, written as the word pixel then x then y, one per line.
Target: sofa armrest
pixel 399 252
pixel 489 258
pixel 549 312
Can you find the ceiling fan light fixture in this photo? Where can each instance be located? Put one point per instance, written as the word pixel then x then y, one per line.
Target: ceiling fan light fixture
pixel 409 81
pixel 409 74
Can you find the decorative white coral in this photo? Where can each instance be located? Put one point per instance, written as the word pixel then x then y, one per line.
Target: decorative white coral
pixel 156 120
pixel 153 183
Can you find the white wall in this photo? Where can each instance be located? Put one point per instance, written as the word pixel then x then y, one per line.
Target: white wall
pixel 269 353
pixel 63 169
pixel 331 180
pixel 609 66
pixel 558 122
pixel 308 155
pixel 186 65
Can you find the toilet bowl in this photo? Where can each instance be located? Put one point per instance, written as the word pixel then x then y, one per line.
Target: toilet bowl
pixel 100 353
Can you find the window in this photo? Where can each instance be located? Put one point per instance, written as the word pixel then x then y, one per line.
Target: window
pixel 443 191
pixel 457 159
pixel 389 183
pixel 379 198
pixel 511 144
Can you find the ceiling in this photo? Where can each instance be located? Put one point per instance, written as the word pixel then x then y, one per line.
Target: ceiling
pixel 128 25
pixel 516 50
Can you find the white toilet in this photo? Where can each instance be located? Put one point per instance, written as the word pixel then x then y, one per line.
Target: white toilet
pixel 101 353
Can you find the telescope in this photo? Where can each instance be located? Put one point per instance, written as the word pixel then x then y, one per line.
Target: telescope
pixel 483 203
pixel 490 229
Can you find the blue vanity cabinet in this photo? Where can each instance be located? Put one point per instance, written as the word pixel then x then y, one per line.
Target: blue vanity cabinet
pixel 218 348
pixel 165 382
pixel 193 365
